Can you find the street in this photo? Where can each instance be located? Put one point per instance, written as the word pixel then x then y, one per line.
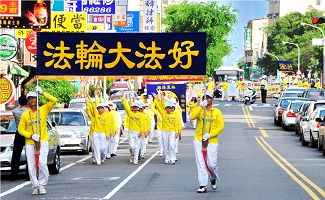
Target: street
pixel 257 160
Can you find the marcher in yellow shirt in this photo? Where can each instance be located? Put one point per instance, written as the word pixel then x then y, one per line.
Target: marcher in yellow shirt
pixel 208 139
pixel 35 138
pixel 146 121
pixel 283 84
pixel 240 84
pixel 317 85
pixel 159 129
pixel 299 82
pixel 225 88
pixel 305 84
pixel 210 85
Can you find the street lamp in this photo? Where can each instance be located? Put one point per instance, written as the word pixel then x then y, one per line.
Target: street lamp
pixel 277 69
pixel 298 52
pixel 321 30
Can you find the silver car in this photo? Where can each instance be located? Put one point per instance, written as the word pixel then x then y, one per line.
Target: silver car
pixel 73 126
pixel 8 130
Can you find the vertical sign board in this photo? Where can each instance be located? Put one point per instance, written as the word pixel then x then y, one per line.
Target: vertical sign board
pixel 10 8
pixel 72 5
pixel 149 16
pixel 132 23
pixel 170 91
pixel 98 7
pixel 120 16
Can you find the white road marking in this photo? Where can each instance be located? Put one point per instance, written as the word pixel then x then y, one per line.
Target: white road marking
pixel 250 108
pixel 127 179
pixel 18 187
pixel 227 105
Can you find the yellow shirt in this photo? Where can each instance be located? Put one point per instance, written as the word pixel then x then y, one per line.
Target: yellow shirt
pixel 146 123
pixel 284 84
pixel 300 83
pixel 126 122
pixel 240 85
pixel 159 118
pixel 224 86
pixel 89 111
pixel 210 85
pixel 27 124
pixel 214 123
pixel 305 85
pixel 317 85
pixel 134 117
pixel 295 82
pixel 170 122
pixel 101 122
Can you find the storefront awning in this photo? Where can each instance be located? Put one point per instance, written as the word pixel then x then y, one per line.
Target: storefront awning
pixel 15 69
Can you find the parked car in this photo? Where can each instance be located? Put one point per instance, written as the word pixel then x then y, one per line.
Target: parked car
pixel 321 136
pixel 8 130
pixel 280 107
pixel 291 94
pixel 310 131
pixel 290 113
pixel 73 127
pixel 313 105
pixel 299 115
pixel 119 86
pixel 314 94
pixel 299 89
pixel 118 95
pixel 79 103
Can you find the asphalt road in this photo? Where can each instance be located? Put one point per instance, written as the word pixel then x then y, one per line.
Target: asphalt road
pixel 257 160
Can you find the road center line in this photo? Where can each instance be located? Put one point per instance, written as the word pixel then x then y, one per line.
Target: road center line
pixel 295 178
pixel 246 118
pixel 249 117
pixel 264 133
pixel 18 187
pixel 127 179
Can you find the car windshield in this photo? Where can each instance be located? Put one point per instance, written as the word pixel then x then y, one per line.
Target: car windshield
pixel 319 105
pixel 322 114
pixel 8 125
pixel 68 118
pixel 296 89
pixel 77 105
pixel 296 105
pixel 298 94
pixel 317 95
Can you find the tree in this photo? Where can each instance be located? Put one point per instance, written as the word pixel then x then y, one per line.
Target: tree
pixel 217 21
pixel 241 63
pixel 63 90
pixel 288 29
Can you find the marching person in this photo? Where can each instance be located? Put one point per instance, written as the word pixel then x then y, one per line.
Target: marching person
pixel 305 84
pixel 27 128
pixel 115 137
pixel 91 130
pixel 263 88
pixel 159 129
pixel 240 84
pixel 299 82
pixel 214 125
pixel 283 84
pixel 19 141
pixel 112 128
pixel 225 88
pixel 210 85
pixel 294 81
pixel 171 127
pixel 151 115
pixel 317 85
pixel 144 131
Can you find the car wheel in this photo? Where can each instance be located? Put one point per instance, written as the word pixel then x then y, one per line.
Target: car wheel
pixel 86 152
pixel 312 143
pixel 320 146
pixel 54 168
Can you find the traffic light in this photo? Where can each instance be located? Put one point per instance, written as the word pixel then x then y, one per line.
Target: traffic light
pixel 318 20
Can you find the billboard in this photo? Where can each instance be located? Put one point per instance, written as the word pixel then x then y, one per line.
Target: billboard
pixel 132 23
pixel 33 14
pixel 10 8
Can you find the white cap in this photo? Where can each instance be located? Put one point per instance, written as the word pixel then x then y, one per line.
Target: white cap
pixel 101 105
pixel 169 104
pixel 110 103
pixel 210 94
pixel 31 94
pixel 317 79
pixel 141 104
pixel 136 104
pixel 225 79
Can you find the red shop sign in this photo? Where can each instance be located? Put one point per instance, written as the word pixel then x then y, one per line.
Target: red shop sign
pixel 31 42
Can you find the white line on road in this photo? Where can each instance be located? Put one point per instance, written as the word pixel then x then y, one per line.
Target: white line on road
pixel 127 179
pixel 227 105
pixel 18 187
pixel 250 107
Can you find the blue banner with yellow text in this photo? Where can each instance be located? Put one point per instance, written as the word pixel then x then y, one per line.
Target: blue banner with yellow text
pixel 121 54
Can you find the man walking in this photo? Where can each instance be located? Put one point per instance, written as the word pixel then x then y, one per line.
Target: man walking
pixel 225 88
pixel 263 88
pixel 207 139
pixel 19 141
pixel 27 128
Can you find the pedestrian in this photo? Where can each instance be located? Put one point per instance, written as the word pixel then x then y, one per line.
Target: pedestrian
pixel 305 84
pixel 294 81
pixel 28 128
pixel 208 139
pixel 111 129
pixel 115 137
pixel 283 84
pixel 91 130
pixel 171 127
pixel 19 141
pixel 240 84
pixel 299 82
pixel 210 85
pixel 151 115
pixel 134 128
pixel 263 88
pixel 144 131
pixel 225 88
pixel 159 129
pixel 193 104
pixel 317 85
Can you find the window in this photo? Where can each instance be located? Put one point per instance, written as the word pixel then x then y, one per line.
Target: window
pixel 317 2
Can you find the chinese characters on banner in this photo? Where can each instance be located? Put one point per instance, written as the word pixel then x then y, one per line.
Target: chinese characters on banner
pixel 10 8
pixel 68 22
pixel 171 91
pixel 97 54
pixel 285 66
pixel 150 16
pixel 22 33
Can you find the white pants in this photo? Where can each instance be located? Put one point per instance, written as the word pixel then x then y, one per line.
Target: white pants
pixel 160 142
pixel 114 142
pixel 43 172
pixel 134 144
pixel 91 140
pixel 193 123
pixel 169 146
pixel 202 170
pixel 224 95
pixel 241 95
pixel 150 136
pixel 100 146
pixel 107 147
pixel 143 145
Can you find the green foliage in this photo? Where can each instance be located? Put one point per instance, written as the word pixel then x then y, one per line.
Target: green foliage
pixel 288 29
pixel 217 21
pixel 241 63
pixel 63 90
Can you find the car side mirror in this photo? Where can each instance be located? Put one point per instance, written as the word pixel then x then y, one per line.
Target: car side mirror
pixel 318 119
pixel 54 124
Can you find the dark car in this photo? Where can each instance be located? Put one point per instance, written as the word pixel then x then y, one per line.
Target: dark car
pixel 314 94
pixel 281 106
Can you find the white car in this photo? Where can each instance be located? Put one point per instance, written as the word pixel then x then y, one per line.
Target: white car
pixel 290 113
pixel 73 127
pixel 291 94
pixel 311 129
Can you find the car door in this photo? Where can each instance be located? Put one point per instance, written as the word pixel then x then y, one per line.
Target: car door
pixel 311 121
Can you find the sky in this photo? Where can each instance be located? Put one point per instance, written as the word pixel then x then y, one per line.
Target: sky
pixel 247 10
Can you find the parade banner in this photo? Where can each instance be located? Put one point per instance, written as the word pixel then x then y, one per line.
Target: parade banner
pixel 157 79
pixel 121 54
pixel 33 14
pixel 171 91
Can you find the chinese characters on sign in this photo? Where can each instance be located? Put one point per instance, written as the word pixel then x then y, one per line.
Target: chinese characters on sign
pixel 150 16
pixel 98 6
pixel 285 66
pixel 6 90
pixel 116 54
pixel 68 22
pixel 132 23
pixel 120 16
pixel 10 8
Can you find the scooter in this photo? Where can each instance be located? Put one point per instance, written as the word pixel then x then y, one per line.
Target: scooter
pixel 250 96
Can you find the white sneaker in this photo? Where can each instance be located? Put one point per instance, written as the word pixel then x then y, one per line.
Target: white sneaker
pixel 214 184
pixel 42 190
pixel 202 189
pixel 35 191
pixel 131 159
pixel 135 163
